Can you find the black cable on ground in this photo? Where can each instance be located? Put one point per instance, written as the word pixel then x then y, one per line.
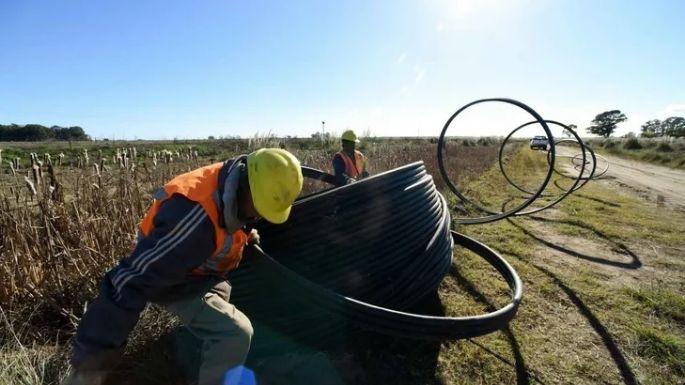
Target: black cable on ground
pixel 580 162
pixel 358 256
pixel 494 215
pixel 551 161
pixel 597 157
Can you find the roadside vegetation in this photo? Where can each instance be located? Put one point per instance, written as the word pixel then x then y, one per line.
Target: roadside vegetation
pixel 668 152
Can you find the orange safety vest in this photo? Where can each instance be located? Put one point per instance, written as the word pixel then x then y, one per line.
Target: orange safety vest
pixel 201 186
pixel 353 169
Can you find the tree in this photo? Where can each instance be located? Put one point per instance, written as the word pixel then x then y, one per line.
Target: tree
pixel 568 133
pixel 322 136
pixel 77 133
pixel 674 126
pixel 652 128
pixel 37 132
pixel 605 123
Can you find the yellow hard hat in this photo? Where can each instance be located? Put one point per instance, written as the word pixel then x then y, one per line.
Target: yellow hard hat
pixel 349 135
pixel 275 179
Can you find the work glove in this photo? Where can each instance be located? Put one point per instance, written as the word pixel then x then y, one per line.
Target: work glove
pixel 91 377
pixel 253 237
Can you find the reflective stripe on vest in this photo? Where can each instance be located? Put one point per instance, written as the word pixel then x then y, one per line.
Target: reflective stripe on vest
pixel 201 186
pixel 353 169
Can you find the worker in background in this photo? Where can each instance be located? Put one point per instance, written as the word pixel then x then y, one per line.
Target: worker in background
pixel 349 164
pixel 191 237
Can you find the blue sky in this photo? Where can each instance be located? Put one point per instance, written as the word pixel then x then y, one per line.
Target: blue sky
pixel 162 69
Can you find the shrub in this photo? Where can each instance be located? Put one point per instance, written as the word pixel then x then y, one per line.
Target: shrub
pixel 652 157
pixel 632 144
pixel 664 147
pixel 485 141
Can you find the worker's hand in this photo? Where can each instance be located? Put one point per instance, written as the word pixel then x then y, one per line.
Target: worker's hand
pixel 253 237
pixel 77 377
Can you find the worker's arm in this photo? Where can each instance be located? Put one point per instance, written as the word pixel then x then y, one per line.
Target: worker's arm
pixel 182 238
pixel 341 178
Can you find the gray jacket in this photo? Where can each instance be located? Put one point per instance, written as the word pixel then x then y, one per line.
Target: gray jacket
pixel 158 271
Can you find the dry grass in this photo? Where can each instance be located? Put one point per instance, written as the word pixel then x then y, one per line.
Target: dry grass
pixel 63 226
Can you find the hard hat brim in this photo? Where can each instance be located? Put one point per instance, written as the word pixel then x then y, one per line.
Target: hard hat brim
pixel 276 217
pixel 348 140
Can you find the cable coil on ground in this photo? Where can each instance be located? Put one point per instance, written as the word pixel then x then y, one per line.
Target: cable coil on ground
pixel 359 256
pixel 584 163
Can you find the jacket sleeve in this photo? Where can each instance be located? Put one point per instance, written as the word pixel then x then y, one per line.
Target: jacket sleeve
pixel 182 238
pixel 341 178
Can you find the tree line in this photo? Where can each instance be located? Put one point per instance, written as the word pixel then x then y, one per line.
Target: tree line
pixel 37 132
pixel 673 126
pixel 605 124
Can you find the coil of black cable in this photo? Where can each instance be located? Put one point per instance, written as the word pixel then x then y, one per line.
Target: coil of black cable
pixel 357 256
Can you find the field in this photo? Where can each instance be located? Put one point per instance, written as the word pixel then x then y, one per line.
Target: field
pixel 603 272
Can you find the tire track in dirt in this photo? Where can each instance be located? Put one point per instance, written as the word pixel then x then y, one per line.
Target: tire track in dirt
pixel 648 180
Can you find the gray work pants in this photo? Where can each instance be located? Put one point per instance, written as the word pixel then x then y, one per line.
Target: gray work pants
pixel 224 331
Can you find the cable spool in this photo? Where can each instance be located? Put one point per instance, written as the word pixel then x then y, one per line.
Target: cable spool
pixel 358 256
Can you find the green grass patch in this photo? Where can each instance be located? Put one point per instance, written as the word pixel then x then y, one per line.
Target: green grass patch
pixel 663 301
pixel 661 346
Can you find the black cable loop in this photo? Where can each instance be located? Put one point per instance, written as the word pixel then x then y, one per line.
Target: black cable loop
pixel 551 161
pixel 584 179
pixel 494 215
pixel 603 171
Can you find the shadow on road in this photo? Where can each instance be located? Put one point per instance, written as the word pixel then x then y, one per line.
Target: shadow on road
pixel 635 262
pixel 595 323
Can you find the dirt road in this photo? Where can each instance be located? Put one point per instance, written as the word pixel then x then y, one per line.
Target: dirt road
pixel 651 182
